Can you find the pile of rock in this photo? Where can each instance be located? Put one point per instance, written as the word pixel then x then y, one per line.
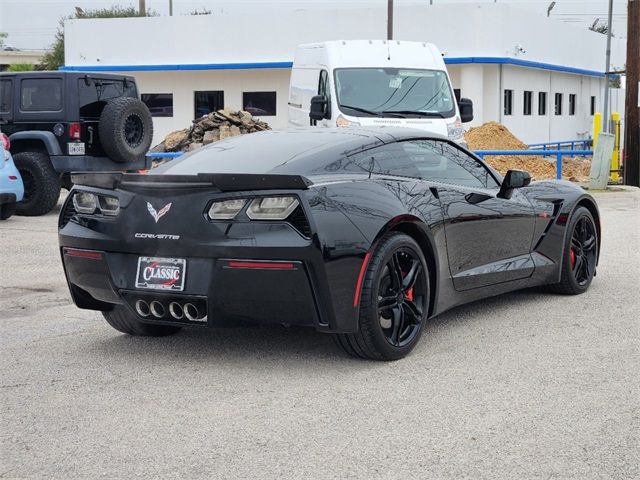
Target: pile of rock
pixel 211 128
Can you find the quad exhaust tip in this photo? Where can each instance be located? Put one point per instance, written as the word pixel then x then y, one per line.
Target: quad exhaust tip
pixel 142 308
pixel 176 310
pixel 191 312
pixel 157 309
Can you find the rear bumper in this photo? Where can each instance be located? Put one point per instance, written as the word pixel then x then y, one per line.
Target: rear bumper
pixel 7 198
pixel 229 289
pixel 86 163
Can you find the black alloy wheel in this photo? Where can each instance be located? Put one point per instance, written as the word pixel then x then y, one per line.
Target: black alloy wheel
pixel 401 296
pixel 580 256
pixel 133 130
pixel 582 253
pixel 393 302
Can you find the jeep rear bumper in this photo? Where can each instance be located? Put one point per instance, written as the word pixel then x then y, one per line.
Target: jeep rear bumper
pixel 86 163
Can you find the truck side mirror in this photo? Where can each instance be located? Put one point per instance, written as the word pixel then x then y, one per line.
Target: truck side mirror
pixel 466 110
pixel 319 109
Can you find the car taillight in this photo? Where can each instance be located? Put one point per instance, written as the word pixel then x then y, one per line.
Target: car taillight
pixel 5 141
pixel 74 130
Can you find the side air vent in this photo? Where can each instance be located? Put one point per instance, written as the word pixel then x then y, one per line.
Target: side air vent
pixel 68 211
pixel 298 220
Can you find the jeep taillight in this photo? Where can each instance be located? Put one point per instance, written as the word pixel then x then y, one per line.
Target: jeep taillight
pixel 74 130
pixel 5 141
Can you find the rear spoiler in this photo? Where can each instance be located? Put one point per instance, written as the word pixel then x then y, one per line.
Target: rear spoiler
pixel 224 182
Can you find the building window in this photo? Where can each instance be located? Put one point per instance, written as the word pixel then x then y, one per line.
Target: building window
pixel 528 99
pixel 558 104
pixel 593 105
pixel 508 102
pixel 572 104
pixel 261 104
pixel 159 104
pixel 542 103
pixel 208 101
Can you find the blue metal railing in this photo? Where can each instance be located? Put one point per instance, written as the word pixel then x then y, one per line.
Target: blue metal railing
pixel 164 154
pixel 481 153
pixel 584 143
pixel 558 153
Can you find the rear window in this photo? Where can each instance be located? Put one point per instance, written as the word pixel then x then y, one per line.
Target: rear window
pixel 5 96
pixel 94 93
pixel 41 95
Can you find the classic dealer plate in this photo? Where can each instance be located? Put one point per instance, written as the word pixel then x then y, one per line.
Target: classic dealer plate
pixel 161 273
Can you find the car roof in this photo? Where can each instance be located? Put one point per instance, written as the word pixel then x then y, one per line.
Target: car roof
pixel 299 149
pixel 60 73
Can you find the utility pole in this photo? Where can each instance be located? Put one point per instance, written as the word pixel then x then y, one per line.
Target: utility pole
pixel 389 19
pixel 605 115
pixel 142 9
pixel 632 102
pixel 170 8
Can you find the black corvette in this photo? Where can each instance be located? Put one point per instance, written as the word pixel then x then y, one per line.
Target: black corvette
pixel 363 233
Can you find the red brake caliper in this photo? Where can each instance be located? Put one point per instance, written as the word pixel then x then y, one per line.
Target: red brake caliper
pixel 572 257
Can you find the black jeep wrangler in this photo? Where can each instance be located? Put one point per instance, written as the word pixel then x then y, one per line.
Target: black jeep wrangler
pixel 63 122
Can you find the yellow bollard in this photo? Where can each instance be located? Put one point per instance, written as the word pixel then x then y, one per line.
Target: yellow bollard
pixel 597 127
pixel 615 156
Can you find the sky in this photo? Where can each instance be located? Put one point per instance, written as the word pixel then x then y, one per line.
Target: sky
pixel 31 24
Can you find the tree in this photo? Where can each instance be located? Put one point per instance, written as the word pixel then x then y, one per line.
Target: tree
pixel 599 27
pixel 21 67
pixel 3 35
pixel 197 11
pixel 54 58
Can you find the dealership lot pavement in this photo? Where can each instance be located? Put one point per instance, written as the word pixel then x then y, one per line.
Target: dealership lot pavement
pixel 527 385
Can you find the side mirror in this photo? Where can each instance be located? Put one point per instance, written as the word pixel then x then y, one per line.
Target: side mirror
pixel 512 180
pixel 319 109
pixel 466 110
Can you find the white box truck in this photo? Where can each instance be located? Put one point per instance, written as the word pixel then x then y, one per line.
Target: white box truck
pixel 375 83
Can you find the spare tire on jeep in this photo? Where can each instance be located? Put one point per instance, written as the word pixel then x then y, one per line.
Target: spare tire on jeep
pixel 126 129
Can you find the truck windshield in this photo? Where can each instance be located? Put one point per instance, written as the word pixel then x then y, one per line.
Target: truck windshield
pixel 364 92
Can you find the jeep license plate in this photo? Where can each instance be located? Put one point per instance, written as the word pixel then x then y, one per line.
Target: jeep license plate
pixel 161 273
pixel 76 148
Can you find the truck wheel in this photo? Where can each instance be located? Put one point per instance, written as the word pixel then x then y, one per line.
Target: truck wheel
pixel 7 210
pixel 124 321
pixel 126 129
pixel 41 183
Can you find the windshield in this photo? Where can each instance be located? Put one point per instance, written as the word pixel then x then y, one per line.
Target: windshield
pixel 394 91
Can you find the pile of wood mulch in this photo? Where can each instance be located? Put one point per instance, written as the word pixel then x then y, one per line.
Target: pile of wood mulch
pixel 494 136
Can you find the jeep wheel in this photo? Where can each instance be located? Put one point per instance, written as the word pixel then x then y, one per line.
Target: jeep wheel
pixel 126 129
pixel 41 183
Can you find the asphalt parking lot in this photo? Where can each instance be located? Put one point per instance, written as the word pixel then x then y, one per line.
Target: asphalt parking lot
pixel 527 385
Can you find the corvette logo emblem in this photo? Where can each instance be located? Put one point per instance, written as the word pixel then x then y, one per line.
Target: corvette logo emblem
pixel 158 215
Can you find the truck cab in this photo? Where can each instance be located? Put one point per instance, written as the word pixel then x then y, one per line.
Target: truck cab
pixel 375 83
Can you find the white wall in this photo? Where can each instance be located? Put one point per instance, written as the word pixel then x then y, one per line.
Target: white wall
pixel 233 82
pixel 271 34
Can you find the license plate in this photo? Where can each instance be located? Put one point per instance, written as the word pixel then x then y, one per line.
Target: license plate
pixel 76 148
pixel 161 273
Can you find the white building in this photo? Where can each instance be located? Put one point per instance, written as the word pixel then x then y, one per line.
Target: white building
pixel 542 78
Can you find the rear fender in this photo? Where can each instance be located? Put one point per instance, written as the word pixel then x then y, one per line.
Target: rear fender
pixel 21 142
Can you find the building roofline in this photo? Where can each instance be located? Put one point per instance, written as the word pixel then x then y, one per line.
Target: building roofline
pixel 260 65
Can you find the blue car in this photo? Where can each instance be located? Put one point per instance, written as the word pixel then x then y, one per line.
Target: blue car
pixel 11 186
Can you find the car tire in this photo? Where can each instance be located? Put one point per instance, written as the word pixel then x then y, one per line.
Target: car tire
pixel 126 129
pixel 580 251
pixel 389 326
pixel 123 320
pixel 7 210
pixel 41 183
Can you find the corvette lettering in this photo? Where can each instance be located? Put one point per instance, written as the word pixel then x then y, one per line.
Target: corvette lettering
pixel 157 236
